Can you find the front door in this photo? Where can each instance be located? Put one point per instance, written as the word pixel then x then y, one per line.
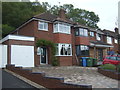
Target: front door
pixel 43 57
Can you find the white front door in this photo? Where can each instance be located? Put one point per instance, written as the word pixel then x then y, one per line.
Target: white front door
pixel 43 56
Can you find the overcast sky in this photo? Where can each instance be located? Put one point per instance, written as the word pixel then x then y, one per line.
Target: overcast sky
pixel 107 10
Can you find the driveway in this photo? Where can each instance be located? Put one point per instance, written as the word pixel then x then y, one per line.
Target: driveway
pixel 79 75
pixel 10 81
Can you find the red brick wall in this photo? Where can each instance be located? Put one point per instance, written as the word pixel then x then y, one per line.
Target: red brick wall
pixel 62 38
pixel 82 40
pixel 26 30
pixel 65 60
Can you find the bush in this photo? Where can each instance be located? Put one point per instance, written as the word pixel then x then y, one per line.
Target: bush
pixel 108 67
pixel 55 61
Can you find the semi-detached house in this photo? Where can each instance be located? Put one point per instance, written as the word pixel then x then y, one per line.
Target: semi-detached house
pixel 72 42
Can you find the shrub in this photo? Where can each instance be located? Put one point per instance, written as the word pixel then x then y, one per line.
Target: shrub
pixel 108 66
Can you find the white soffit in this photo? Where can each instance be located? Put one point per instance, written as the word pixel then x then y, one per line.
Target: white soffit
pixel 17 37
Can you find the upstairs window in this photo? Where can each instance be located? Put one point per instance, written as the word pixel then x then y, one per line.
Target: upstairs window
pixel 109 40
pixel 92 34
pixel 81 32
pixel 116 41
pixel 61 28
pixel 43 26
pixel 98 36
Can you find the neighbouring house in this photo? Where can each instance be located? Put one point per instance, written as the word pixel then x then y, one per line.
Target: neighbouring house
pixel 72 42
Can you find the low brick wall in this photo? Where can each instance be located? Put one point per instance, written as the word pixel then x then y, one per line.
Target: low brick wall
pixel 109 73
pixel 41 79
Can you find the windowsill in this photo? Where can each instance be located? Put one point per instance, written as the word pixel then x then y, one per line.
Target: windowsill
pixel 81 36
pixel 62 33
pixel 62 55
pixel 42 29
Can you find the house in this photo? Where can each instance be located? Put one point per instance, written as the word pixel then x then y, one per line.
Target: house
pixel 72 42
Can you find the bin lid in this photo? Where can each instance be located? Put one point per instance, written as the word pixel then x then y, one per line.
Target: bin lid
pixel 84 57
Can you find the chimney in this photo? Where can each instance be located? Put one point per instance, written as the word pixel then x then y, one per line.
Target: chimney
pixel 116 30
pixel 62 13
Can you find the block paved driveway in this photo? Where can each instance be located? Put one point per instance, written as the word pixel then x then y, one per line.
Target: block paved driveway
pixel 80 75
pixel 10 81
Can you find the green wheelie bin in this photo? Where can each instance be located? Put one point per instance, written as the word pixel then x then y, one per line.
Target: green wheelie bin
pixel 90 62
pixel 94 62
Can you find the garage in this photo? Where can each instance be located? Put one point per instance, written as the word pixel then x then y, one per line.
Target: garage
pixel 3 56
pixel 22 55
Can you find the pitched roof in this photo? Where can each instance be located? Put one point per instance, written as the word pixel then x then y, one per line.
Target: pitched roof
pixel 46 16
pixel 50 17
pixel 110 33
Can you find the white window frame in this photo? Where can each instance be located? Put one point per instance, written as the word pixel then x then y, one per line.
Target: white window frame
pixel 91 34
pixel 98 37
pixel 83 32
pixel 109 40
pixel 116 41
pixel 62 28
pixel 43 23
pixel 59 49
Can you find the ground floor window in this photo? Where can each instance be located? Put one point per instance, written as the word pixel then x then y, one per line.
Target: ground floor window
pixel 63 49
pixel 82 50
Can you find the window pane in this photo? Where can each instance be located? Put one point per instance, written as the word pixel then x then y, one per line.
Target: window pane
pixel 109 40
pixel 43 26
pixel 76 32
pixel 81 31
pixel 85 32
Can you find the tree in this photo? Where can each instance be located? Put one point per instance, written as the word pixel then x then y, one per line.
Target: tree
pixel 78 15
pixel 16 13
pixel 6 29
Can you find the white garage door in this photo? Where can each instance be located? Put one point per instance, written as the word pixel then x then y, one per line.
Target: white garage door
pixel 22 55
pixel 3 56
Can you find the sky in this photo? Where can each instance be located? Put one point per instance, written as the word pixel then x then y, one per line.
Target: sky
pixel 107 10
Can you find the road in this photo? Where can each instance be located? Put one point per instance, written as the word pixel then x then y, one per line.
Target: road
pixel 10 81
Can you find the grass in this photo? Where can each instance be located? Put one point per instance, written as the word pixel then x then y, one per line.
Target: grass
pixel 108 67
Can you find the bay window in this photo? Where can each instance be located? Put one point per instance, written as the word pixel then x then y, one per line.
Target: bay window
pixel 43 26
pixel 62 28
pixel 63 49
pixel 81 32
pixel 82 50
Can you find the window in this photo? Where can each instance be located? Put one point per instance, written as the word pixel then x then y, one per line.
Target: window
pixel 82 50
pixel 98 36
pixel 109 40
pixel 81 32
pixel 116 41
pixel 43 26
pixel 62 28
pixel 92 34
pixel 63 50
